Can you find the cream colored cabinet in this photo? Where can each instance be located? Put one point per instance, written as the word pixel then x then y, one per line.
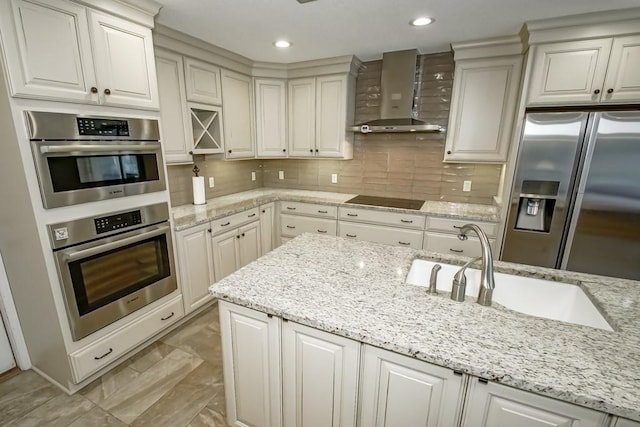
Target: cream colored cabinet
pixel 271 110
pixel 397 390
pixel 442 236
pixel 54 45
pixel 297 218
pixel 235 248
pixel 621 422
pixel 586 72
pixel 482 109
pixel 207 130
pixel 381 234
pixel 251 366
pixel 319 377
pixel 489 404
pixel 195 260
pixel 319 111
pixel 202 82
pixel 174 115
pixel 239 132
pixel 267 226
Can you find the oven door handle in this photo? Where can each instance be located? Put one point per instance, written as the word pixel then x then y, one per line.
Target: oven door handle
pixel 70 255
pixel 90 148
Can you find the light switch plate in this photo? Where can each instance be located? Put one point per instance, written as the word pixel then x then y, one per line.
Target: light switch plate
pixel 280 174
pixel 466 186
pixel 212 182
pixel 334 178
pixel 253 176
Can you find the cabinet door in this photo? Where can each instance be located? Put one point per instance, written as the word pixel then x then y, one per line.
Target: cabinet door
pixel 452 245
pixel 202 82
pixel 568 73
pixel 125 66
pixel 174 116
pixel 49 56
pixel 237 105
pixel 226 258
pixel 302 117
pixel 207 134
pixel 271 131
pixel 621 422
pixel 492 404
pixel 251 366
pixel 398 390
pixel 195 261
pixel 622 83
pixel 249 243
pixel 484 102
pixel 331 102
pixel 319 377
pixel 267 226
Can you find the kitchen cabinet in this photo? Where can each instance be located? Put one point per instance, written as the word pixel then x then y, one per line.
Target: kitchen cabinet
pixel 55 44
pixel 297 218
pixel 207 130
pixel 390 228
pixel 237 247
pixel 483 106
pixel 202 82
pixel 490 404
pixel 251 366
pixel 320 109
pixel 195 260
pixel 271 109
pixel 586 72
pixel 238 119
pixel 267 226
pixel 442 236
pixel 397 390
pixel 174 115
pixel 621 422
pixel 319 377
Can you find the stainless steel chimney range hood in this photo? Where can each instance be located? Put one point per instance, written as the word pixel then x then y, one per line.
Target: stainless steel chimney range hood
pixel 397 96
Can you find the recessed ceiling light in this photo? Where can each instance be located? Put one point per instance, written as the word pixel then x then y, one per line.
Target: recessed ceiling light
pixel 422 21
pixel 281 43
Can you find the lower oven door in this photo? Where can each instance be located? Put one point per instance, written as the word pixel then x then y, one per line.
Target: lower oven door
pixel 105 280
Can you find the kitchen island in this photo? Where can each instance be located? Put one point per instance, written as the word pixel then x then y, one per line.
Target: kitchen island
pixel 357 290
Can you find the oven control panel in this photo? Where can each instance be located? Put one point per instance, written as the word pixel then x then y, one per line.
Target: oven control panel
pixel 88 126
pixel 110 223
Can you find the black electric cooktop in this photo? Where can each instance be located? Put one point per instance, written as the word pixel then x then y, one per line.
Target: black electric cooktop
pixel 387 201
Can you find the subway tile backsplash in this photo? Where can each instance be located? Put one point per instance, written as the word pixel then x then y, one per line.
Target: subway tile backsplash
pixel 392 165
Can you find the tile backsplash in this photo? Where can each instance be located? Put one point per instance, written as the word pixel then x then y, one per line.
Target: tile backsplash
pixel 392 165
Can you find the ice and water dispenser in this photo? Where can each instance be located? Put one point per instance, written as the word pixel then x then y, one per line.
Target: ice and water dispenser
pixel 536 205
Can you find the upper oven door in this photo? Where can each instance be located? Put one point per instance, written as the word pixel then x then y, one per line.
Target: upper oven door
pixel 73 172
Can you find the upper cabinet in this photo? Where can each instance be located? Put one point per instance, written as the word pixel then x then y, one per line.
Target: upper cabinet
pixel 484 98
pixel 61 51
pixel 239 132
pixel 203 82
pixel 302 118
pixel 271 108
pixel 586 72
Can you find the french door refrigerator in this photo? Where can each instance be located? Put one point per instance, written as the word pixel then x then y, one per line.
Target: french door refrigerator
pixel 575 202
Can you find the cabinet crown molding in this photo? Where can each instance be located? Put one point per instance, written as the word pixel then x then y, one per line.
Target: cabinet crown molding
pixel 487 48
pixel 139 11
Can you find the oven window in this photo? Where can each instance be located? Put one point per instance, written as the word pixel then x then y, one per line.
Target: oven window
pixel 80 172
pixel 106 277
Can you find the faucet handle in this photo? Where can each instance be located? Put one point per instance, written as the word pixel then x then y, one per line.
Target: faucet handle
pixel 433 279
pixel 459 287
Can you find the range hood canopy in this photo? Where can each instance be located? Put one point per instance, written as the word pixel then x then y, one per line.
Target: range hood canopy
pixel 397 90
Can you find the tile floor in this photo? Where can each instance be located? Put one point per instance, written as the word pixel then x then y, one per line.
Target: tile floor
pixel 176 381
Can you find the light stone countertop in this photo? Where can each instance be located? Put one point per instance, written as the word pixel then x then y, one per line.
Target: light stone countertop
pixel 356 289
pixel 186 216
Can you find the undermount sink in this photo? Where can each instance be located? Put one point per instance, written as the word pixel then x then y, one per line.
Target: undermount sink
pixel 535 297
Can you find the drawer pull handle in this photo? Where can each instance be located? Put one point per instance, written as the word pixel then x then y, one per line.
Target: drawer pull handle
pixel 225 224
pixel 322 231
pixel 323 211
pixel 168 317
pixel 458 251
pixel 350 214
pixel 457 227
pixel 104 355
pixel 290 208
pixel 351 235
pixel 291 226
pixel 251 216
pixel 407 221
pixel 404 243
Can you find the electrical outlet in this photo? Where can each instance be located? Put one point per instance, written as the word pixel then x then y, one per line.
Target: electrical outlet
pixel 212 182
pixel 280 174
pixel 466 186
pixel 334 178
pixel 253 176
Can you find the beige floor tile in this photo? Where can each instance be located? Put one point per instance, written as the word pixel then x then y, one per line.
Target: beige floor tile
pixel 60 411
pixel 150 356
pixel 22 394
pixel 199 337
pixel 110 383
pixel 209 418
pixel 96 417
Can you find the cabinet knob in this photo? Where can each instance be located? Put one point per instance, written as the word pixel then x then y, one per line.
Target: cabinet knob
pixel 317 150
pixel 94 89
pixel 263 211
pixel 208 230
pixel 597 91
pixel 191 152
pixel 284 150
pixel 107 91
pixel 311 150
pixel 229 151
pixel 242 234
pixel 449 152
pixel 610 90
pixel 238 236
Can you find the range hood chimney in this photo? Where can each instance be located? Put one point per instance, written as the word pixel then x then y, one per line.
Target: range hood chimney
pixel 398 93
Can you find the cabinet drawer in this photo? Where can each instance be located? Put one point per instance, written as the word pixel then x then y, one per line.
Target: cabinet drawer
pixel 227 223
pixel 450 244
pixel 381 234
pixel 292 225
pixel 310 209
pixel 449 225
pixel 108 349
pixel 383 218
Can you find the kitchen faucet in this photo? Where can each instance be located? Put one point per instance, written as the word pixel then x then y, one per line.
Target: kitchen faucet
pixel 487 282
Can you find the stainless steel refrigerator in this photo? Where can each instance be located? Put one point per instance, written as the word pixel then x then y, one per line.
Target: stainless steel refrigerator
pixel 575 202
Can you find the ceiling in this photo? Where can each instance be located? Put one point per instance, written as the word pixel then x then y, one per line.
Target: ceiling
pixel 366 28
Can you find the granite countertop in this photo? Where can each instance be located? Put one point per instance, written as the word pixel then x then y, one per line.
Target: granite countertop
pixel 356 289
pixel 186 216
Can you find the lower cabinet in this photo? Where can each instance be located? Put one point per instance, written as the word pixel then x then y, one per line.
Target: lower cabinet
pixel 398 390
pixel 196 267
pixel 267 225
pixel 235 248
pixel 490 404
pixel 381 234
pixel 621 422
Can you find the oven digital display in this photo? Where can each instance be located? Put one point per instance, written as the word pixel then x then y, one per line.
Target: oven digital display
pixel 102 127
pixel 117 222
